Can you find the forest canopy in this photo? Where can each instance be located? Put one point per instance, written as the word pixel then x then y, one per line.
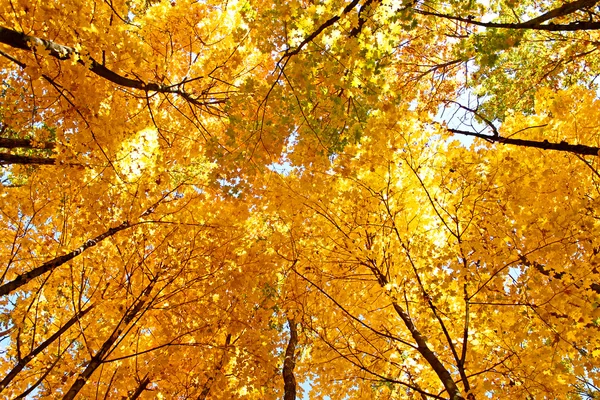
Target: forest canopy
pixel 319 199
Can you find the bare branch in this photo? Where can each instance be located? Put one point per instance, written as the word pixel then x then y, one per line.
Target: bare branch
pixel 22 41
pixel 544 144
pixel 535 23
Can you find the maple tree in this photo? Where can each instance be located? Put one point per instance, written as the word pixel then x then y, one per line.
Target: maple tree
pixel 355 199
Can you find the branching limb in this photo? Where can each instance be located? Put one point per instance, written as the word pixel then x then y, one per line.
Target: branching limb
pixel 581 149
pixel 535 23
pixel 48 266
pixel 22 41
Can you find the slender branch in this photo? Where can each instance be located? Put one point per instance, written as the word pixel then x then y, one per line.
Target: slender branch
pixel 353 317
pixel 219 365
pixel 319 30
pixel 289 53
pixel 382 378
pixel 433 360
pixel 556 275
pixel 422 347
pixel 544 144
pixel 25 360
pixel 361 18
pixel 48 266
pixel 107 346
pixel 463 356
pixel 535 23
pixel 489 123
pixel 44 375
pixel 23 41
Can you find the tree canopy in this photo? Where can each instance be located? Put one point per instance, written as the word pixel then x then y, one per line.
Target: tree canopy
pixel 370 199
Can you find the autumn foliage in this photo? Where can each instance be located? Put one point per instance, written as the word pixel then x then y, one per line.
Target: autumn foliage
pixel 366 199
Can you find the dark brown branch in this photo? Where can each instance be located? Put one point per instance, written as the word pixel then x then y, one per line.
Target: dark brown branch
pixel 422 347
pixel 351 316
pixel 289 380
pixel 361 18
pixel 535 23
pixel 544 144
pixel 319 30
pixel 24 144
pixel 209 382
pixel 106 348
pixel 11 159
pixel 140 389
pixel 44 375
pixel 432 359
pixel 22 41
pixel 382 378
pixel 289 53
pixel 565 9
pixel 480 116
pixel 25 360
pixel 58 261
pixel 463 356
pixel 549 273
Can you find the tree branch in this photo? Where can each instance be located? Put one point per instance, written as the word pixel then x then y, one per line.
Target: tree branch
pixel 361 19
pixel 219 365
pixel 544 144
pixel 9 159
pixel 22 41
pixel 556 275
pixel 7 143
pixel 140 389
pixel 48 266
pixel 25 360
pixel 319 30
pixel 107 346
pixel 536 23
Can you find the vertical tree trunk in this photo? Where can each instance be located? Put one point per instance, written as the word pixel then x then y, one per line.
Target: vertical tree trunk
pixel 289 380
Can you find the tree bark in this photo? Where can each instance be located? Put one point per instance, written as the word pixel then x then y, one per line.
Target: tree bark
pixel 22 41
pixel 25 360
pixel 581 149
pixel 289 380
pixel 106 348
pixel 7 143
pixel 8 159
pixel 535 23
pixel 58 261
